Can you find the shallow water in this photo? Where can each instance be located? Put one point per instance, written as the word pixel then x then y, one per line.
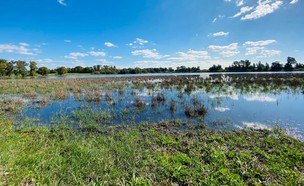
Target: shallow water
pixel 204 74
pixel 228 110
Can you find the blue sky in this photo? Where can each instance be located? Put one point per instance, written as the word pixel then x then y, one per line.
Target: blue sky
pixel 151 33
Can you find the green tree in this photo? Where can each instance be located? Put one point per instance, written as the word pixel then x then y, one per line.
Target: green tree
pixel 290 63
pixel 276 66
pixel 3 66
pixel 44 71
pixel 21 68
pixel 216 68
pixel 33 68
pixel 10 68
pixel 61 71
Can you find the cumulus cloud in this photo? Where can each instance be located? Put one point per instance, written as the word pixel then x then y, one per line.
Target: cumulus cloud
pixel 147 53
pixel 191 55
pixel 141 41
pixel 226 51
pixel 239 2
pixel 219 34
pixel 97 54
pixel 62 2
pixel 269 53
pixel 76 55
pixel 117 57
pixel 242 11
pixel 263 8
pixel 253 50
pixel 22 49
pixel 259 43
pixel 109 44
pixel 138 43
pixel 294 1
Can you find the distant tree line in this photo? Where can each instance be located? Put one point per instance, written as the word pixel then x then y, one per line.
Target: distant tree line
pixel 21 68
pixel 246 66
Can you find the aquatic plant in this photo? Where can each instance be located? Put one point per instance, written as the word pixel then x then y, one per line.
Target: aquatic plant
pixel 139 102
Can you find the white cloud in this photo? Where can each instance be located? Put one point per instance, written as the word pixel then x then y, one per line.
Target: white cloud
pixel 294 1
pixel 117 57
pixel 22 48
pixel 104 62
pixel 141 41
pixel 147 53
pixel 269 53
pixel 243 11
pixel 47 60
pixel 97 54
pixel 67 41
pixel 219 34
pixel 109 44
pixel 239 2
pixel 263 8
pixel 259 43
pixel 226 51
pixel 191 55
pixel 253 50
pixel 24 44
pixel 75 55
pixel 62 2
pixel 218 18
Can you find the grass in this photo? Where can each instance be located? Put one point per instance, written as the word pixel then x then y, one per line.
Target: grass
pixel 83 149
pixel 151 154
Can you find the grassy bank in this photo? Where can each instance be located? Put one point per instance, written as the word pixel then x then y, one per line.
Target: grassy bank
pixel 157 154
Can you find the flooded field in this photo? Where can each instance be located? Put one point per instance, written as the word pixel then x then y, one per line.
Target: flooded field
pixel 219 101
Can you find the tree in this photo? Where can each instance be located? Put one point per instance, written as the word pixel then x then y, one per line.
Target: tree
pixel 276 66
pixel 44 71
pixel 290 63
pixel 33 68
pixel 10 68
pixel 215 68
pixel 260 66
pixel 61 71
pixel 3 66
pixel 21 68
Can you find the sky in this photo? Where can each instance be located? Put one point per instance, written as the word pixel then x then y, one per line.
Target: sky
pixel 151 33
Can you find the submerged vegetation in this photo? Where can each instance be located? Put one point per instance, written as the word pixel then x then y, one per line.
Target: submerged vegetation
pixel 109 139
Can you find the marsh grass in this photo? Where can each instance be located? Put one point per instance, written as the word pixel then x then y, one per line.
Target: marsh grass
pixel 139 102
pixel 148 154
pixel 93 95
pixel 88 148
pixel 60 94
pixel 172 106
pixel 198 110
pixel 110 98
pixel 12 105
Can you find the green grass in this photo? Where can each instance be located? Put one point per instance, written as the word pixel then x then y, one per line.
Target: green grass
pixel 149 154
pixel 83 150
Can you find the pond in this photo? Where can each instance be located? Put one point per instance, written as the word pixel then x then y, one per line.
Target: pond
pixel 223 102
